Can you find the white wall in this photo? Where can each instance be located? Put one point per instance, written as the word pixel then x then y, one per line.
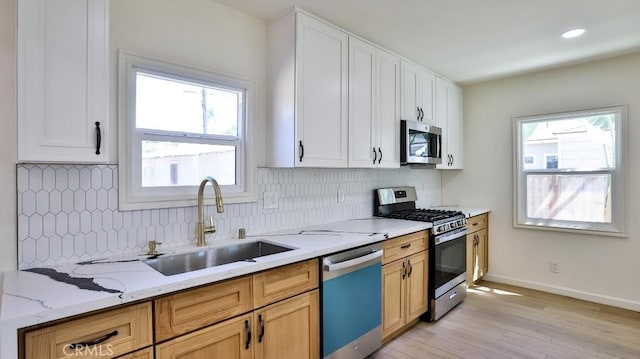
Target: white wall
pixel 204 35
pixel 597 268
pixel 8 246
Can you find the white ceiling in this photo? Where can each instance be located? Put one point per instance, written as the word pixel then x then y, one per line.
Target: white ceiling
pixel 474 40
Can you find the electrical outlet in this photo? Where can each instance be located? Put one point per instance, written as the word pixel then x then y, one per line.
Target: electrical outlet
pixel 270 200
pixel 340 195
pixel 554 267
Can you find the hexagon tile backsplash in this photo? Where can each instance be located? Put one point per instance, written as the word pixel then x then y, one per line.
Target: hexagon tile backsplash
pixel 69 213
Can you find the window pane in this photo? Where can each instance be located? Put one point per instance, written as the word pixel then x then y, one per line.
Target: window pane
pixel 175 105
pixel 583 198
pixel 582 142
pixel 185 164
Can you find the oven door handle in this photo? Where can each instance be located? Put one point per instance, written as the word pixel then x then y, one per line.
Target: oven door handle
pixel 332 267
pixel 450 236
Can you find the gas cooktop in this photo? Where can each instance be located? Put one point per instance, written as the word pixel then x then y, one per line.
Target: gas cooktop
pixel 400 203
pixel 423 215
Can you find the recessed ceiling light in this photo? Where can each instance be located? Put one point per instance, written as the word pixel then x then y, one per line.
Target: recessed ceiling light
pixel 573 33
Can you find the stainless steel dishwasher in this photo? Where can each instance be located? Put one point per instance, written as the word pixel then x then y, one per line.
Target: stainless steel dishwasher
pixel 352 303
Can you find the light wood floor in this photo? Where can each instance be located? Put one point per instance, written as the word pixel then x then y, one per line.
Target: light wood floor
pixel 501 321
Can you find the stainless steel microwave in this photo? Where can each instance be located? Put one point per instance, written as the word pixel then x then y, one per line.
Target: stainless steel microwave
pixel 420 144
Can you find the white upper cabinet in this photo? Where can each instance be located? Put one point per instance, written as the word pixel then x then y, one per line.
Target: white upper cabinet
pixel 449 118
pixel 63 81
pixel 308 108
pixel 388 108
pixel 373 106
pixel 417 97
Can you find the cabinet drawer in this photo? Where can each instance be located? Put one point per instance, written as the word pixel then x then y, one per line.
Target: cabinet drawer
pixel 187 311
pixel 284 282
pixel 477 223
pixel 118 331
pixel 403 246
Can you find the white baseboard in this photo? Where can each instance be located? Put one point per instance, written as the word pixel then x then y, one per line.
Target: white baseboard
pixel 591 297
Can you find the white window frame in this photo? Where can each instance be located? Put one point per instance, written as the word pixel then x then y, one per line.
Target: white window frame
pixel 619 187
pixel 131 194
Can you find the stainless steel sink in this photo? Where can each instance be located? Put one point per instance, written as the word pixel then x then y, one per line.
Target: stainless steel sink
pixel 187 262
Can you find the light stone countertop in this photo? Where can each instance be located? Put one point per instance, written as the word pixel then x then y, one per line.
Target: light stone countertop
pixel 39 295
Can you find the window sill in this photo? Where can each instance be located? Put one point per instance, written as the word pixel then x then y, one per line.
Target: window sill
pixel 605 230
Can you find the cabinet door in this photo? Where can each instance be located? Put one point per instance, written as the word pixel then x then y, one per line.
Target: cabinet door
pixel 229 340
pixel 363 146
pixel 442 116
pixel 321 94
pixel 455 130
pixel 472 259
pixel 483 251
pixel 408 95
pixel 62 80
pixel 393 297
pixel 426 96
pixel 477 261
pixel 388 79
pixel 449 118
pixel 417 280
pixel 289 329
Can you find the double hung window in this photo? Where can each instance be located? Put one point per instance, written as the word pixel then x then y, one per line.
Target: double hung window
pixel 177 126
pixel 580 184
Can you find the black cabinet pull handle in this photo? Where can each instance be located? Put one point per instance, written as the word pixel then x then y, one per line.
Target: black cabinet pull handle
pixel 98 138
pixel 247 330
pixel 380 159
pixel 405 246
pixel 418 114
pixel 375 155
pixel 301 151
pixel 410 267
pixel 404 271
pixel 421 114
pixel 93 342
pixel 261 328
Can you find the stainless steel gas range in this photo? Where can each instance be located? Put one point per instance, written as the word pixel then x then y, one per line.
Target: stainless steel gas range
pixel 447 246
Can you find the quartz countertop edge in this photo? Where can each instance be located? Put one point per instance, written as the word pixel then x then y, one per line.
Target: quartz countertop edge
pixel 35 296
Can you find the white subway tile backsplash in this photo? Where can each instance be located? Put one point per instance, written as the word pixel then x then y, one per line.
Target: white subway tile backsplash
pixel 69 213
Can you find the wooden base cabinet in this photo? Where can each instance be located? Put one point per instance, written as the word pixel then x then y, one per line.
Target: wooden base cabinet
pixel 404 282
pixel 477 248
pixel 289 329
pixel 273 314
